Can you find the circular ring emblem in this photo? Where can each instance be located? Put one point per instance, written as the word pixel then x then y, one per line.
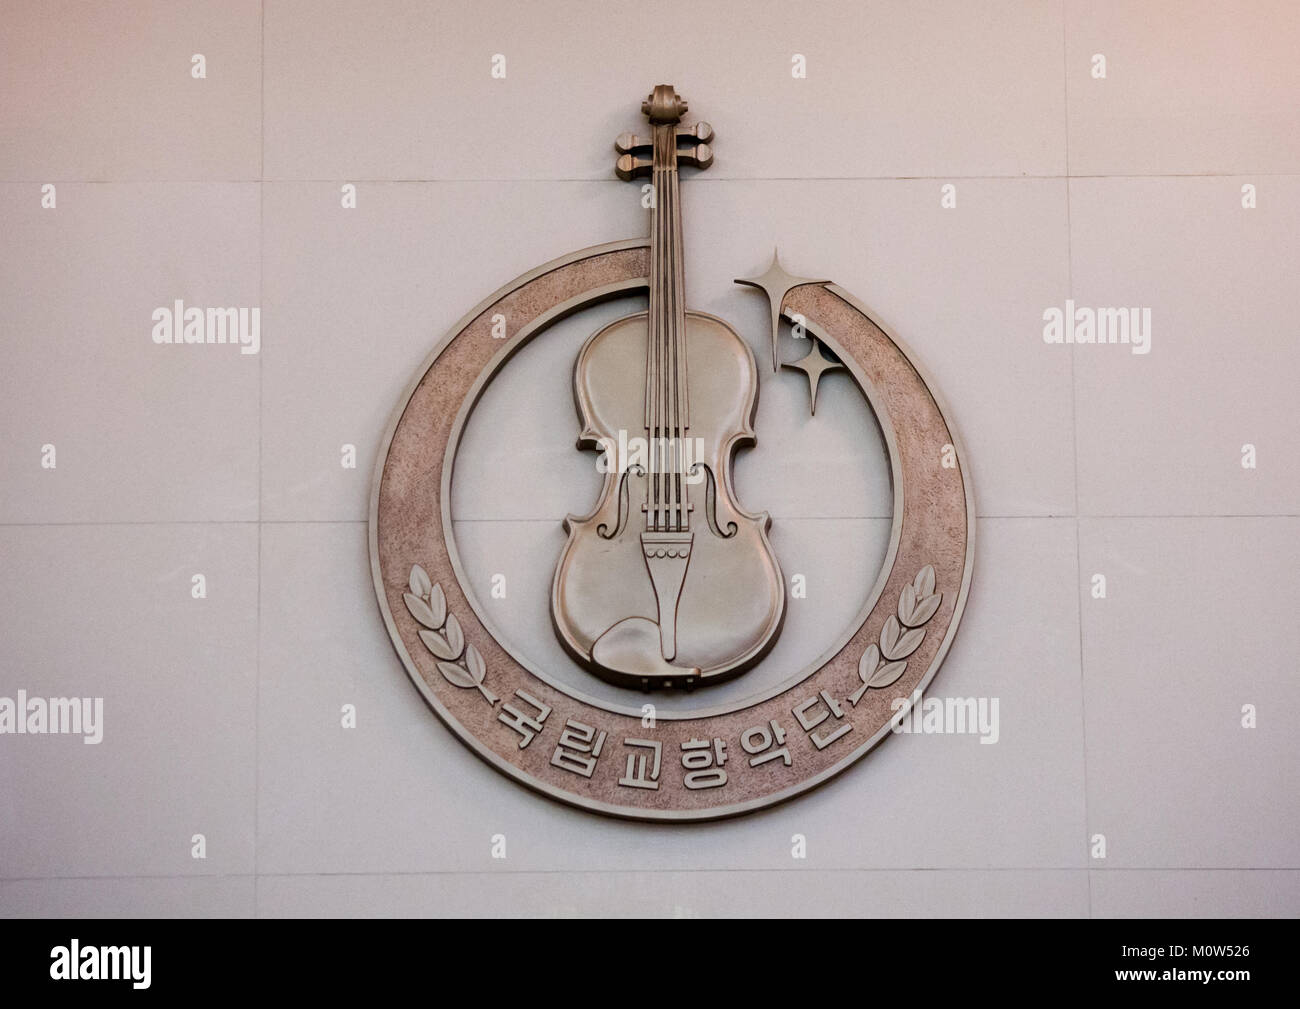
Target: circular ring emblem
pixel 716 763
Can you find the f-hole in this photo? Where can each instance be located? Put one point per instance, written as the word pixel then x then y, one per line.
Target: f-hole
pixel 602 530
pixel 711 503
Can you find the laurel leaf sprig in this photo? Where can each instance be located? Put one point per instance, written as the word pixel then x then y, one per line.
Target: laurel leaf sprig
pixel 883 664
pixel 442 635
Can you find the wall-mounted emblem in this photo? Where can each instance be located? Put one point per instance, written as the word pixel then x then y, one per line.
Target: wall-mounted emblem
pixel 669 583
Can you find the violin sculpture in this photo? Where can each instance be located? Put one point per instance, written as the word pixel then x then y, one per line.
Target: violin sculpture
pixel 668 582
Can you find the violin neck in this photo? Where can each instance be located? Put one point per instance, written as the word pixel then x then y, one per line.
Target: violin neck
pixel 666 406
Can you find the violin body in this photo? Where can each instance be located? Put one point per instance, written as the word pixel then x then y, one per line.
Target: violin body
pixel 610 594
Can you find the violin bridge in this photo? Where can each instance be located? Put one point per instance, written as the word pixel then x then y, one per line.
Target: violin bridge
pixel 666 557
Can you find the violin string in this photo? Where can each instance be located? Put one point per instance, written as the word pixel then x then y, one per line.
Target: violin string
pixel 652 490
pixel 679 319
pixel 656 433
pixel 674 514
pixel 667 400
pixel 679 350
pixel 665 480
pixel 665 231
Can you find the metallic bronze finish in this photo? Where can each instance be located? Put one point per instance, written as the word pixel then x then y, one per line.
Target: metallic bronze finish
pixel 718 764
pixel 729 605
pixel 668 581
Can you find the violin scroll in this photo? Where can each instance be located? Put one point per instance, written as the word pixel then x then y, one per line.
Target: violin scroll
pixel 664 106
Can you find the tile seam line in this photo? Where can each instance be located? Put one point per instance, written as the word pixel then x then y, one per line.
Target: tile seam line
pixel 360 873
pixel 1057 516
pixel 261 421
pixel 601 179
pixel 1074 430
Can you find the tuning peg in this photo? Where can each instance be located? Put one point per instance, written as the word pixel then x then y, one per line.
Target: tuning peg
pixel 629 166
pixel 702 132
pixel 700 157
pixel 629 142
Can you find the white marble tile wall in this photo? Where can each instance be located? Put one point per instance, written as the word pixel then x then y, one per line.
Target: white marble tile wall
pixel 1171 183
